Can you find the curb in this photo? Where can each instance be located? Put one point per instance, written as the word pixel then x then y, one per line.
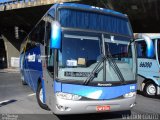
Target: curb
pixel 9 71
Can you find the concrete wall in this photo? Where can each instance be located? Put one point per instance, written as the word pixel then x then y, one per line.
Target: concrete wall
pixel 11 51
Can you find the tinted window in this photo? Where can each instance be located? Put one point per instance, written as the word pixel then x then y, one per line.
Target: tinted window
pixel 48 51
pixel 94 21
pixel 143 50
pixel 76 49
pixel 119 51
pixel 37 35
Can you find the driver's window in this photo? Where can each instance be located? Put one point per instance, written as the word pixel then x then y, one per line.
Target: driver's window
pixel 48 51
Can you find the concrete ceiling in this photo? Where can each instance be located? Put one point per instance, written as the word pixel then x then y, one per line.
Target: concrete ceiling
pixel 144 16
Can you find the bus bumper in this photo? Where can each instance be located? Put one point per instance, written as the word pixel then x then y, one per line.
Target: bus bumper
pixel 82 107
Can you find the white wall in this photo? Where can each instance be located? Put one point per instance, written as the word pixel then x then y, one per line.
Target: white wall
pixel 11 51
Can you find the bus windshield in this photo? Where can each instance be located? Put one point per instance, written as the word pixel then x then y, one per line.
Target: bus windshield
pixel 80 54
pixel 82 47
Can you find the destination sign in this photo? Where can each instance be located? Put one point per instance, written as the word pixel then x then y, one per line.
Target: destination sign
pixel 77 74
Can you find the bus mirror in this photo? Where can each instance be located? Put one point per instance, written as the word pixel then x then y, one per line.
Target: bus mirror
pixel 150 45
pixel 55 41
pixel 150 49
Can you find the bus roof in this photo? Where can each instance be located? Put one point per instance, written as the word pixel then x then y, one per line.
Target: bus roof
pixel 88 7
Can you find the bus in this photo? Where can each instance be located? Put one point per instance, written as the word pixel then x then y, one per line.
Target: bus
pixel 148 57
pixel 81 59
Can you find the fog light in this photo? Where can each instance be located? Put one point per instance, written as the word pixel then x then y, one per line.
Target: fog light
pixel 132 105
pixel 128 95
pixel 63 108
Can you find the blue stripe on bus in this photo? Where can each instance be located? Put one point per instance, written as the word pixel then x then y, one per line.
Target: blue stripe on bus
pixel 57 86
pixel 96 92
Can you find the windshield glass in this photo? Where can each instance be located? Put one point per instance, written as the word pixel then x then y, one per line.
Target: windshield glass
pixel 121 53
pixel 78 56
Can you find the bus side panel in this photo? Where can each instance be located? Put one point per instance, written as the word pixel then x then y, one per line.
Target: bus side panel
pixel 33 67
pixel 148 68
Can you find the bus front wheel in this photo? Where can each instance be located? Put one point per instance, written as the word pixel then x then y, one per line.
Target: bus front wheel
pixel 150 89
pixel 39 96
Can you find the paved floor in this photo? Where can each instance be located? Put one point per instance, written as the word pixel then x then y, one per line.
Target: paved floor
pixel 9 70
pixel 19 100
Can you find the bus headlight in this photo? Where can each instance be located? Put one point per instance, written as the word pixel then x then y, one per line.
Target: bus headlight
pixel 68 96
pixel 128 95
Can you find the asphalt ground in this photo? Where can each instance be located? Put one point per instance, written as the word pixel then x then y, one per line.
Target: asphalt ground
pixel 18 102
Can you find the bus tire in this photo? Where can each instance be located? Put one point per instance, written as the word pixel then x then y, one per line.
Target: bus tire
pixel 39 96
pixel 150 89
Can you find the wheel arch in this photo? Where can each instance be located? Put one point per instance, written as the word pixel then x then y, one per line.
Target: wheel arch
pixel 38 82
pixel 148 79
pixel 41 81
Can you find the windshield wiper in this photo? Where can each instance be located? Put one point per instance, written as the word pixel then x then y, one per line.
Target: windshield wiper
pixel 115 68
pixel 96 70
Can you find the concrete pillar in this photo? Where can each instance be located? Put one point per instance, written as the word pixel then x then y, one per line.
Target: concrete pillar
pixel 11 51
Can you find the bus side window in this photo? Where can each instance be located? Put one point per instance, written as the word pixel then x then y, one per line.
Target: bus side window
pixel 29 45
pixel 40 32
pixel 141 49
pixel 48 51
pixel 37 35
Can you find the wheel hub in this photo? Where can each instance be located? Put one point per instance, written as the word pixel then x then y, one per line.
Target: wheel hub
pixel 41 95
pixel 151 90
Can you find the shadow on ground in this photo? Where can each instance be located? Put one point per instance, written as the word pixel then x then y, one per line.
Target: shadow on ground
pixel 97 116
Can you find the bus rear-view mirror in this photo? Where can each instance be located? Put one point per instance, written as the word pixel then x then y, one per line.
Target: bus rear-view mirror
pixel 55 41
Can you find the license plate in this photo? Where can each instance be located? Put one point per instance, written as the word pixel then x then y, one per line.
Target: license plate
pixel 103 108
